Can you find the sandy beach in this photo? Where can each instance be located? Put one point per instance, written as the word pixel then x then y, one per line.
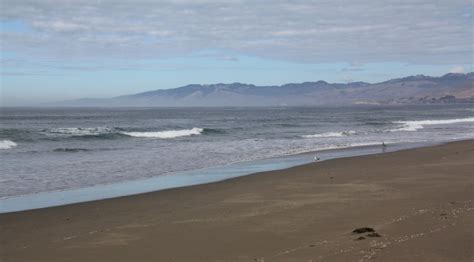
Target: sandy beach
pixel 418 202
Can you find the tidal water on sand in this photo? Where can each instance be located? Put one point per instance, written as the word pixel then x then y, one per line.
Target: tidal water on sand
pixel 44 150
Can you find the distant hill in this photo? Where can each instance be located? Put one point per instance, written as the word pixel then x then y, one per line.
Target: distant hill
pixel 419 89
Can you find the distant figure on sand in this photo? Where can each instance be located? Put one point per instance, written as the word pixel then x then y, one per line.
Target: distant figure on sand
pixel 384 146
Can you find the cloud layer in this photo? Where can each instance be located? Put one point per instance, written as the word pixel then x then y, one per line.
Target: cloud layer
pixel 362 31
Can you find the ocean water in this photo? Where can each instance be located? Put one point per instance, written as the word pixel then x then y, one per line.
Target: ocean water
pixel 44 150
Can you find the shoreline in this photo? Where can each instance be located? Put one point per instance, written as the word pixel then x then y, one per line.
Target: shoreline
pixel 40 200
pixel 419 201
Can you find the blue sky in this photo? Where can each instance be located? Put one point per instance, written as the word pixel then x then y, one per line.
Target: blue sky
pixel 56 50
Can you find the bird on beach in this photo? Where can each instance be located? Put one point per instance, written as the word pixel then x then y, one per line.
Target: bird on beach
pixel 316 158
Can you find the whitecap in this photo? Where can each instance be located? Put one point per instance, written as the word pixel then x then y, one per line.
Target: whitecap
pixel 80 131
pixel 166 134
pixel 330 134
pixel 7 144
pixel 419 124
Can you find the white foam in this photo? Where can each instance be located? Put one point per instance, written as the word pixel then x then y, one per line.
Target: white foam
pixel 80 131
pixel 7 144
pixel 328 147
pixel 166 134
pixel 331 134
pixel 419 124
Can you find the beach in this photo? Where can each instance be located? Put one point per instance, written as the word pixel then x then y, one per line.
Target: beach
pixel 418 202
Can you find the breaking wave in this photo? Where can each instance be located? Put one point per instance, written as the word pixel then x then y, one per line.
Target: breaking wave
pixel 419 124
pixel 166 134
pixel 330 134
pixel 110 133
pixel 80 131
pixel 7 144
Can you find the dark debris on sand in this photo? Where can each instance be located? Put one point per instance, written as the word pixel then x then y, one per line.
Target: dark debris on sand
pixel 374 234
pixel 368 231
pixel 362 230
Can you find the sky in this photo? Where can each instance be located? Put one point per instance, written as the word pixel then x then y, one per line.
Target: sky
pixel 55 50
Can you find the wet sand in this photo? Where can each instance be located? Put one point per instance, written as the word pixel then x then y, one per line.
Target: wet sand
pixel 418 201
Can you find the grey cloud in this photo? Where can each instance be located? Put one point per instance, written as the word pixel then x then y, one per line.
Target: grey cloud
pixel 412 31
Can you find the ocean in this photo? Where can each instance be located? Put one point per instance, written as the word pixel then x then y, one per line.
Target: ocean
pixel 45 149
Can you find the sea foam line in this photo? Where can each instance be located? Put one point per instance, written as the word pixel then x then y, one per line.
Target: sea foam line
pixel 419 124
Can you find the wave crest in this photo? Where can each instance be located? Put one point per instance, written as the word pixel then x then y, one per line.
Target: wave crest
pixel 166 134
pixel 7 144
pixel 110 133
pixel 70 150
pixel 80 131
pixel 330 134
pixel 419 124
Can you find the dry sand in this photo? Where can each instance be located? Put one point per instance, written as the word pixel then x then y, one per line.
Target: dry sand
pixel 419 201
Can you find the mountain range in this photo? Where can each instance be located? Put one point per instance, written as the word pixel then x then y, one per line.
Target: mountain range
pixel 419 89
